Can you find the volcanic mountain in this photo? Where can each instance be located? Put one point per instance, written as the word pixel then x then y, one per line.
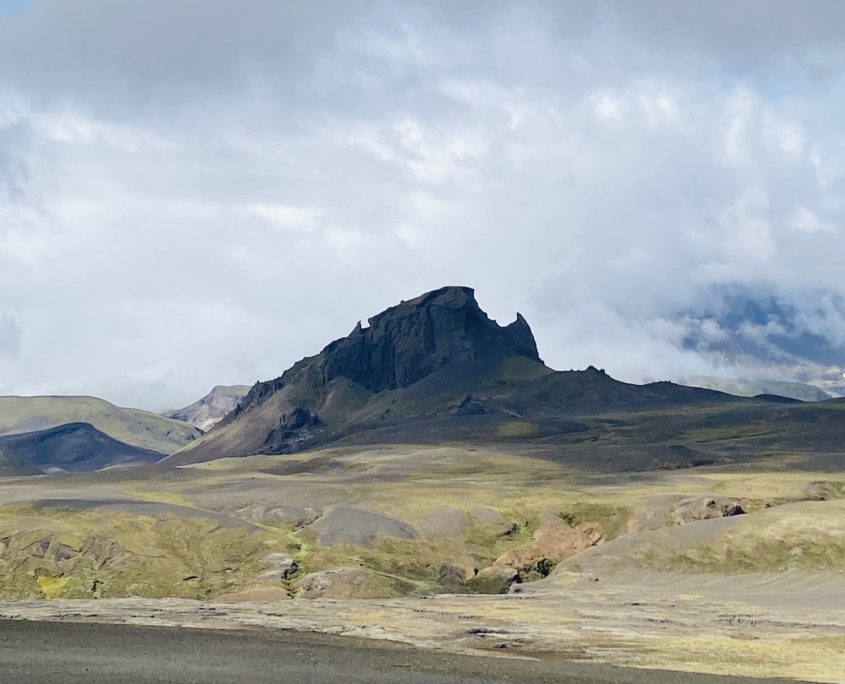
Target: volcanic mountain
pixel 432 369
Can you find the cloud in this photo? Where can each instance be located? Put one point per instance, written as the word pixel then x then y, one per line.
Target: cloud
pixel 10 336
pixel 193 194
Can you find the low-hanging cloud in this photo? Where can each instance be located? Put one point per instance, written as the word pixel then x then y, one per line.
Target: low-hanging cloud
pixel 200 193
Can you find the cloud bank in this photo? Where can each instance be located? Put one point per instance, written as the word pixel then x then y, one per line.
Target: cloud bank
pixel 198 193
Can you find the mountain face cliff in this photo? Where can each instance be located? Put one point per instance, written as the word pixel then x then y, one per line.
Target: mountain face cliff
pixel 433 368
pixel 414 339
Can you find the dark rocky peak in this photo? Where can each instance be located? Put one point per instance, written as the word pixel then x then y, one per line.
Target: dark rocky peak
pixel 409 341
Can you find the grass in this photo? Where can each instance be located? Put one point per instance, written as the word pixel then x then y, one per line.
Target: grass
pixel 80 554
pixel 798 656
pixel 121 554
pixel 612 518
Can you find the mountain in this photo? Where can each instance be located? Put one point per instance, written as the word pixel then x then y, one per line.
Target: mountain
pixel 212 408
pixel 434 368
pixel 134 427
pixel 75 446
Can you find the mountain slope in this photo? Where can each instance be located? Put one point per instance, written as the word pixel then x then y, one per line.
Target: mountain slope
pixel 212 408
pixel 434 368
pixel 75 446
pixel 131 426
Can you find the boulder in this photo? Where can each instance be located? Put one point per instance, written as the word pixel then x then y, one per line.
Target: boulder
pixel 279 566
pixel 452 579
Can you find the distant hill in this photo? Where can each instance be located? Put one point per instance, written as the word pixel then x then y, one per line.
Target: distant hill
pixel 434 368
pixel 75 446
pixel 134 427
pixel 756 387
pixel 212 408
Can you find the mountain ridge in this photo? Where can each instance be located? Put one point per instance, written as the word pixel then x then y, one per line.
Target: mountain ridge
pixel 436 365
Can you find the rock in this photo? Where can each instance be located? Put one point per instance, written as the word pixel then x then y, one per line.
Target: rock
pixel 706 508
pixel 495 579
pixel 279 566
pixel 407 342
pixel 345 582
pixel 452 579
pixel 553 541
pixel 470 406
pixel 294 425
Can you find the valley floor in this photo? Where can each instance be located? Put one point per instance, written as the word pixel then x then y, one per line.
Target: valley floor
pixel 736 572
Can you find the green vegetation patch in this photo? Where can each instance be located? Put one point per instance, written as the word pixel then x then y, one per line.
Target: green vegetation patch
pixel 90 554
pixel 613 519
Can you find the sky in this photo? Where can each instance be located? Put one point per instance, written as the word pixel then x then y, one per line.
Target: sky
pixel 203 192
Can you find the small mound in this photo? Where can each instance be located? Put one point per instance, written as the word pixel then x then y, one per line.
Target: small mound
pixel 359 527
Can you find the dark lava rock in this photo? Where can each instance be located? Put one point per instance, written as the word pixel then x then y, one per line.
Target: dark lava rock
pixel 407 342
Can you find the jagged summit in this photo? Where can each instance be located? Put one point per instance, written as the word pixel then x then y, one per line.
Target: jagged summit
pixel 411 340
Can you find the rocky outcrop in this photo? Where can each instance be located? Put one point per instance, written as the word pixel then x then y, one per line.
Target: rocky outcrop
pixel 407 342
pixel 278 566
pixel 707 508
pixel 552 541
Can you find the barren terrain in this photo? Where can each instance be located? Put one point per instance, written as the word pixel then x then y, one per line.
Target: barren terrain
pixel 710 569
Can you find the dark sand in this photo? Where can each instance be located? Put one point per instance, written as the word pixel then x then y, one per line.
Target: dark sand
pixel 67 653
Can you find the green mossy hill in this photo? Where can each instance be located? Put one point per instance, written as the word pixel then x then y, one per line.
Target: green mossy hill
pixel 90 554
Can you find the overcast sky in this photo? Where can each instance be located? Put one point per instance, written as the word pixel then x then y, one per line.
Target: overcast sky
pixel 197 192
